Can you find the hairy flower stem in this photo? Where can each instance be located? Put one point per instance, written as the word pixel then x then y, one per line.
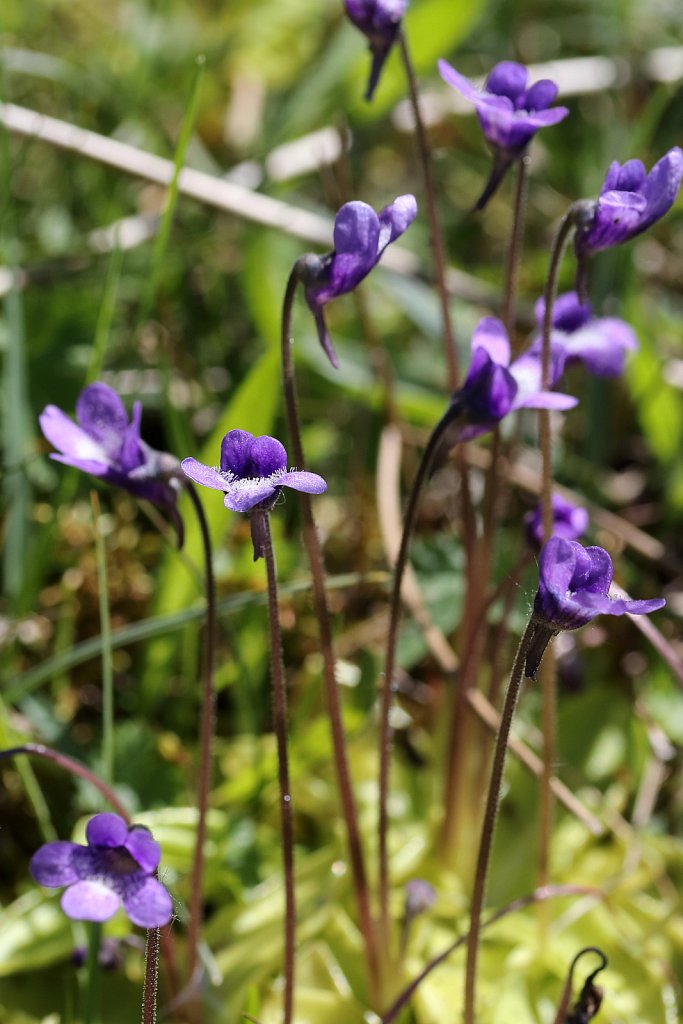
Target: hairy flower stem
pixel 207 728
pixel 280 726
pixel 489 823
pixel 151 983
pixel 435 235
pixel 409 519
pixel 548 675
pixel 315 559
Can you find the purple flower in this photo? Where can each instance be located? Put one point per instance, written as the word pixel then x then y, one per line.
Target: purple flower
pixel 252 471
pixel 360 238
pixel 104 444
pixel 510 114
pixel 494 386
pixel 600 343
pixel 117 866
pixel 630 201
pixel 380 21
pixel 570 521
pixel 573 588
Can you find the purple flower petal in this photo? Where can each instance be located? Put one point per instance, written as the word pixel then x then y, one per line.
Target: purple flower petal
pixel 356 231
pixel 90 901
pixel 236 452
pixel 268 456
pixel 457 81
pixel 541 95
pixel 69 438
pixel 394 219
pixel 629 202
pixel 53 864
pixel 149 904
pixel 490 334
pixel 507 79
pixel 143 848
pixel 242 495
pixel 204 475
pixel 570 521
pixel 106 829
pixel 301 480
pixel 102 414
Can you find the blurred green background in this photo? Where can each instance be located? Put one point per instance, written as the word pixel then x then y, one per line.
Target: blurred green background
pixel 186 318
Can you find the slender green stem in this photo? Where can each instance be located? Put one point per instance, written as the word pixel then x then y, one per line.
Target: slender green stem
pixel 207 729
pixel 74 767
pixel 435 234
pixel 151 983
pixel 280 726
pixel 385 737
pixel 91 1010
pixel 549 294
pixel 105 630
pixel 514 251
pixel 489 824
pixel 315 558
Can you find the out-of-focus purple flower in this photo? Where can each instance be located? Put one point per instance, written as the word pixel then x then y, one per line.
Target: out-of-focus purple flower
pixel 117 866
pixel 109 956
pixel 251 473
pixel 600 343
pixel 380 21
pixel 630 201
pixel 360 238
pixel 494 386
pixel 510 114
pixel 104 444
pixel 570 521
pixel 573 588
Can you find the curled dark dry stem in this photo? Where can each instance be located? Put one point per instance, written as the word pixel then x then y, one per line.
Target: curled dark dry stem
pixel 315 559
pixel 410 516
pixel 207 727
pixel 435 235
pixel 280 727
pixel 489 824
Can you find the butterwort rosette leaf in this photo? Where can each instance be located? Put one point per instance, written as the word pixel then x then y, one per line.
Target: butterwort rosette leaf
pixel 380 22
pixel 360 238
pixel 573 588
pixel 496 386
pixel 104 443
pixel 570 521
pixel 600 344
pixel 510 112
pixel 116 867
pixel 251 474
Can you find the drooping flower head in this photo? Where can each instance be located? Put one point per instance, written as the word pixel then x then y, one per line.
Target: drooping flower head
pixel 380 21
pixel 599 343
pixel 360 238
pixel 573 588
pixel 570 521
pixel 509 113
pixel 252 472
pixel 117 866
pixel 630 201
pixel 495 386
pixel 105 444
